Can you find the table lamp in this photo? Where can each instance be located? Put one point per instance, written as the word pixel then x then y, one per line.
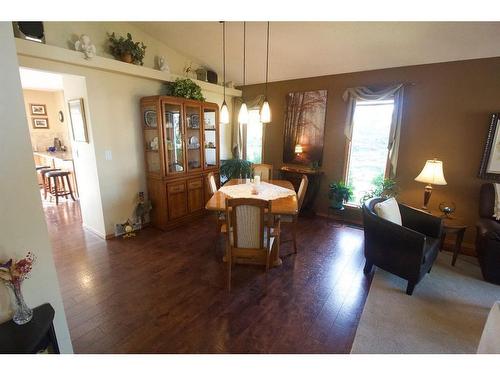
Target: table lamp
pixel 299 149
pixel 431 174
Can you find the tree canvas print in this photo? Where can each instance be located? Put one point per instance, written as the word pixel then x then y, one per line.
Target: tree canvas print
pixel 304 127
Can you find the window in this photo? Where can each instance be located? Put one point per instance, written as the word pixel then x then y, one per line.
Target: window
pixel 368 153
pixel 253 137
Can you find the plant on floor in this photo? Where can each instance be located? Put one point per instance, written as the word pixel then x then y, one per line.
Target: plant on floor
pixel 339 193
pixel 383 187
pixel 235 168
pixel 126 49
pixel 185 88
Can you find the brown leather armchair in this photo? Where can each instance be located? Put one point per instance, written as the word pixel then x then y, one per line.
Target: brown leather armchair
pixel 407 250
pixel 488 235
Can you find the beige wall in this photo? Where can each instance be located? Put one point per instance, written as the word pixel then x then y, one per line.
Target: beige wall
pixel 64 34
pixel 446 115
pixel 54 102
pixel 22 224
pixel 113 108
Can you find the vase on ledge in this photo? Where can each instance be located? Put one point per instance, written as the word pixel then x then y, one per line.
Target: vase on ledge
pixel 23 313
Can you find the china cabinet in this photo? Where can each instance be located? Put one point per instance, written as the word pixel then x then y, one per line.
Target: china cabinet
pixel 181 143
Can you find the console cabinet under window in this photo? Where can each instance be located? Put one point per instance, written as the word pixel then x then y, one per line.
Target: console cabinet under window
pixel 181 146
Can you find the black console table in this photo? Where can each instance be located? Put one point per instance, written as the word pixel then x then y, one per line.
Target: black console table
pixel 294 175
pixel 32 337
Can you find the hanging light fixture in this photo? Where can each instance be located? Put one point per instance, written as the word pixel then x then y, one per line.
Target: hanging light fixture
pixel 243 114
pixel 265 111
pixel 224 111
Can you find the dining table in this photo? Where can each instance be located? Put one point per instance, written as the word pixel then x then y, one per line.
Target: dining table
pixel 284 205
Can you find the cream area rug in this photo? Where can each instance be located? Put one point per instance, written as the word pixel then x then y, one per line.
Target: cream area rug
pixel 446 313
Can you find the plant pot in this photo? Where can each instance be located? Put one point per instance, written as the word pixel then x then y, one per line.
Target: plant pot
pixel 127 57
pixel 337 204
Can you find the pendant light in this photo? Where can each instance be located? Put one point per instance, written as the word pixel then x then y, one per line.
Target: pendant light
pixel 243 114
pixel 265 111
pixel 224 111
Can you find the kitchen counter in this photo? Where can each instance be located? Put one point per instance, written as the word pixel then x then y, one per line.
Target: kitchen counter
pixel 60 155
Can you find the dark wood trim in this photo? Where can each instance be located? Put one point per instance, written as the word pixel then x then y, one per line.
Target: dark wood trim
pixel 487 150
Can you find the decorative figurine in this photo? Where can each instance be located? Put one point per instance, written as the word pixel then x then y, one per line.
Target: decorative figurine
pixel 142 208
pixel 162 64
pixel 129 229
pixel 447 209
pixel 84 45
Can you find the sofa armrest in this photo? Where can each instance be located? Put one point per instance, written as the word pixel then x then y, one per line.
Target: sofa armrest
pixel 488 228
pixel 421 221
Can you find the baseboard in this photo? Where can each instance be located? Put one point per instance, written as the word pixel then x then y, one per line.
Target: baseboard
pixel 93 231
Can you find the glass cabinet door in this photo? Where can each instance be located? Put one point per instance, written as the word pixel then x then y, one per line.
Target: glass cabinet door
pixel 193 137
pixel 151 138
pixel 174 138
pixel 210 137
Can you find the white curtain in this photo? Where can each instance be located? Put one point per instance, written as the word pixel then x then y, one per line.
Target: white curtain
pixel 238 131
pixel 396 93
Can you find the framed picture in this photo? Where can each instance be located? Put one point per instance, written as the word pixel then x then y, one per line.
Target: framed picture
pixel 40 122
pixel 38 109
pixel 78 121
pixel 490 162
pixel 304 127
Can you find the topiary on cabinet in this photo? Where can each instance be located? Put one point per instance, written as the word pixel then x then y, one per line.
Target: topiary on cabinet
pixel 185 88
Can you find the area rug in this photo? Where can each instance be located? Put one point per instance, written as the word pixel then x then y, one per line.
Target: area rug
pixel 446 313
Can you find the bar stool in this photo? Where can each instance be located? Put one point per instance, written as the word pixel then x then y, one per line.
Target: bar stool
pixel 39 168
pixel 45 181
pixel 59 185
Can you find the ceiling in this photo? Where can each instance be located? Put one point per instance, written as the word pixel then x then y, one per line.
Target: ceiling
pixel 308 49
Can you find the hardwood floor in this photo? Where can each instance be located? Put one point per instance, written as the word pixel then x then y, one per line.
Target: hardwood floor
pixel 164 292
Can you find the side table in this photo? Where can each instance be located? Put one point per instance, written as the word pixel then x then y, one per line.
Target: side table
pixel 32 337
pixel 452 225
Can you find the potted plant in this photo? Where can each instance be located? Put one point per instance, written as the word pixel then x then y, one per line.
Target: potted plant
pixel 339 193
pixel 126 49
pixel 185 88
pixel 383 187
pixel 235 168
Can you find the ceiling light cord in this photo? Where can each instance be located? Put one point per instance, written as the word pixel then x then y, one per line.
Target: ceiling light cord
pixel 224 57
pixel 244 52
pixel 267 58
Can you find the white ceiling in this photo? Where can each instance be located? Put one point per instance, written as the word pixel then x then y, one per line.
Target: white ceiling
pixel 308 49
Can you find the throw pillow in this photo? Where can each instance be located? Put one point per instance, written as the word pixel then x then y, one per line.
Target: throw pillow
pixel 389 210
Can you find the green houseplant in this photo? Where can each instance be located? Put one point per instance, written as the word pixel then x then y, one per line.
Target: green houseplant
pixel 383 187
pixel 126 49
pixel 339 193
pixel 185 88
pixel 235 168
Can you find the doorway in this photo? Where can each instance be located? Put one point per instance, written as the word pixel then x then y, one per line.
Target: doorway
pixel 66 167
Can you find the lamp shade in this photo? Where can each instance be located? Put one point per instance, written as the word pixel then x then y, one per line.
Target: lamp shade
pixel 243 114
pixel 432 173
pixel 224 114
pixel 265 112
pixel 299 149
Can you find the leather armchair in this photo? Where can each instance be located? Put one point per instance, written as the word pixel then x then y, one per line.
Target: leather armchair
pixel 407 250
pixel 488 235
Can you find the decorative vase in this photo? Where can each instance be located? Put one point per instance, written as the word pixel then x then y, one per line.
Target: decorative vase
pixel 23 313
pixel 127 57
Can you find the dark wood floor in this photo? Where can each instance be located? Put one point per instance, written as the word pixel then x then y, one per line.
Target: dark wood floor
pixel 164 292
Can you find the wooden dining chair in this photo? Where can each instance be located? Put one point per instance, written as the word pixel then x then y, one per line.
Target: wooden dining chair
pixel 251 233
pixel 265 171
pixel 220 217
pixel 293 219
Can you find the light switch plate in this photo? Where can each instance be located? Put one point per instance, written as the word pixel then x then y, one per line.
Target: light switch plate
pixel 108 155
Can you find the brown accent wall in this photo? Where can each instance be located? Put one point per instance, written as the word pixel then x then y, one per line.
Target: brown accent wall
pixel 446 116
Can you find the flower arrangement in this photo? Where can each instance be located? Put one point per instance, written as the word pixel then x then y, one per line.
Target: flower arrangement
pixel 13 273
pixel 16 272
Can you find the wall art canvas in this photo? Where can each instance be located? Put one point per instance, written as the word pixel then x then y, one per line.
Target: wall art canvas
pixel 304 127
pixel 490 163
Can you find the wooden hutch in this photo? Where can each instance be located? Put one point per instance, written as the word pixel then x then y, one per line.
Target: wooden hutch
pixel 181 143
